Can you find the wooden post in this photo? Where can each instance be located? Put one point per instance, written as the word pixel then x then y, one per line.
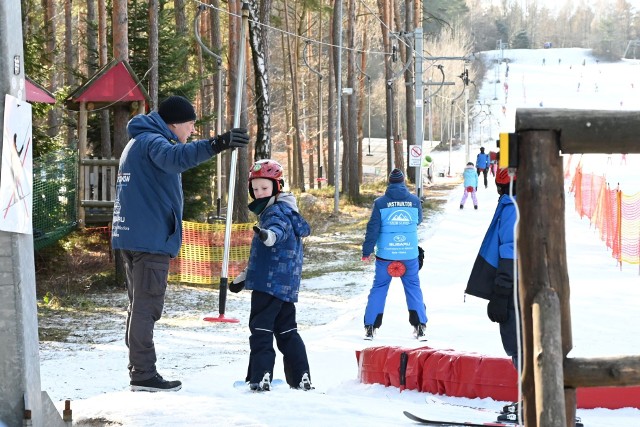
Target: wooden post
pixel 547 368
pixel 541 245
pixel 82 153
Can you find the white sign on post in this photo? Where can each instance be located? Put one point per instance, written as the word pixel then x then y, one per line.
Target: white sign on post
pixel 415 155
pixel 16 183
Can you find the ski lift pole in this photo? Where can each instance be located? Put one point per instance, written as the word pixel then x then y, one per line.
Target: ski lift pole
pixel 232 172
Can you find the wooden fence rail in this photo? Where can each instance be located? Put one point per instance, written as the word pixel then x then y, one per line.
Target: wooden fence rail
pixel 549 377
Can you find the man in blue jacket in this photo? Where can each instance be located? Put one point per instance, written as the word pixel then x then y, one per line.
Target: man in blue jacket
pixel 392 231
pixel 147 220
pixel 482 164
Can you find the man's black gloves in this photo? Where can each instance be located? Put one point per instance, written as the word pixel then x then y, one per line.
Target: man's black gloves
pixel 236 137
pixel 238 283
pixel 265 235
pixel 420 257
pixel 497 309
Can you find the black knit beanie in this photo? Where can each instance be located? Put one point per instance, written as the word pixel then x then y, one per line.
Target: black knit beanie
pixel 396 176
pixel 176 109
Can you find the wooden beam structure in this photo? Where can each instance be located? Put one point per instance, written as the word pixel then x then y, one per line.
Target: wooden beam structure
pixel 543 281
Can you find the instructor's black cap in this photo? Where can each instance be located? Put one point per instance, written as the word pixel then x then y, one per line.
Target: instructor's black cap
pixel 396 176
pixel 176 109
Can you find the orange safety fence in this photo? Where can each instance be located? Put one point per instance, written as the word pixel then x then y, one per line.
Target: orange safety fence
pixel 200 258
pixel 614 214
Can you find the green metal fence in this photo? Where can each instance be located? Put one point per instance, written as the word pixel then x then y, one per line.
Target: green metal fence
pixel 54 196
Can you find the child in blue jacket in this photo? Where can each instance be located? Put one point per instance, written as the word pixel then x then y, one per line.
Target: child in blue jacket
pixel 273 273
pixel 470 185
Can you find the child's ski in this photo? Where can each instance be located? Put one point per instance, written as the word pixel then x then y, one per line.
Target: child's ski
pixel 243 384
pixel 441 423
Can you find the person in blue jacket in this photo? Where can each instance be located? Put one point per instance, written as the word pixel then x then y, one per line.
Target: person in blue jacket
pixel 482 164
pixel 392 231
pixel 147 220
pixel 273 273
pixel 492 275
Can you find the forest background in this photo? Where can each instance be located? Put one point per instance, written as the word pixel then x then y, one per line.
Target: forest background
pixel 289 103
pixel 292 61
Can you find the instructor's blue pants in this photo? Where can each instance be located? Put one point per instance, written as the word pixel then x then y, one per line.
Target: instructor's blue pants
pixel 380 288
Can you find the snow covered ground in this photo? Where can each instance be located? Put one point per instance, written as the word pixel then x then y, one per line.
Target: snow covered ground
pixel 209 357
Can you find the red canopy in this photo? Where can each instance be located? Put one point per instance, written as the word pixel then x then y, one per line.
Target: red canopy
pixel 114 83
pixel 36 93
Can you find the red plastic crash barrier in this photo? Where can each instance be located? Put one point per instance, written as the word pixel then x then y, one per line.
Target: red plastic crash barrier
pixel 608 397
pixel 469 375
pixel 372 362
pixel 496 378
pixel 415 366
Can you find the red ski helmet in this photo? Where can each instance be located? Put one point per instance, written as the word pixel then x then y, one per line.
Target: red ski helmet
pixel 503 178
pixel 268 169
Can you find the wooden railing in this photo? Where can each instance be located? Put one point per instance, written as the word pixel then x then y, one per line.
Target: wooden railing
pixel 97 188
pixel 549 377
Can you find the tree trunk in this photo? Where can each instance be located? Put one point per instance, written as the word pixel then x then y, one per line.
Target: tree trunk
pixel 120 31
pixel 153 53
pixel 259 40
pixel 331 103
pixel 219 103
pixel 70 66
pixel 361 90
pixel 181 29
pixel 383 6
pixel 293 61
pixel 105 124
pixel 50 31
pixel 351 145
pixel 398 153
pixel 410 104
pixel 240 212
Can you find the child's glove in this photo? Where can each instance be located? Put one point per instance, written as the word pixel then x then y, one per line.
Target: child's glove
pixel 238 283
pixel 265 235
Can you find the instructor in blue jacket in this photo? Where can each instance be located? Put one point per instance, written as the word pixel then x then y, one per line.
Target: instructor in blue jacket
pixel 392 231
pixel 147 220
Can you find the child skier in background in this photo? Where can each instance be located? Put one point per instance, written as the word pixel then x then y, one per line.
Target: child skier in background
pixel 470 185
pixel 273 273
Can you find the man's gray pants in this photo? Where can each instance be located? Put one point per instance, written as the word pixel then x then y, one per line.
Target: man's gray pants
pixel 146 276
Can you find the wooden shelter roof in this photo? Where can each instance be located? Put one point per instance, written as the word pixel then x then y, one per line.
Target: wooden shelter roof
pixel 114 83
pixel 36 93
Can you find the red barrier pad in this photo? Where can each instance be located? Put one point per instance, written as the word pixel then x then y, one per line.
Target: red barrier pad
pixel 608 397
pixel 392 367
pixel 432 373
pixel 417 358
pixel 496 377
pixel 372 361
pixel 464 369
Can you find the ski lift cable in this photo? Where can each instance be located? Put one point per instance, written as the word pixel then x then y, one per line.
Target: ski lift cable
pixel 318 42
pixel 304 58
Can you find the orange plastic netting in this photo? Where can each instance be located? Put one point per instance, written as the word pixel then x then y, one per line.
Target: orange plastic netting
pixel 615 215
pixel 200 257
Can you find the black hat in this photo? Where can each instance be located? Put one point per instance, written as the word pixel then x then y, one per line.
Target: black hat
pixel 176 109
pixel 396 176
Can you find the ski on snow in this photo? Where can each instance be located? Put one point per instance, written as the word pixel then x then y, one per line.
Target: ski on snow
pixel 442 423
pixel 243 384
